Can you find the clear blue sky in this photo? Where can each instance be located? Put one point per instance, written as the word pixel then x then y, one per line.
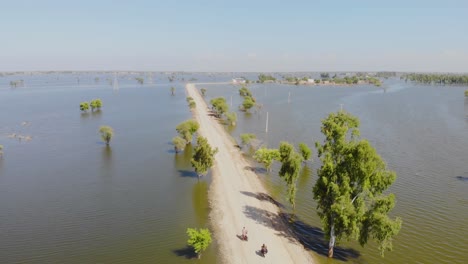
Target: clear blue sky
pixel 234 35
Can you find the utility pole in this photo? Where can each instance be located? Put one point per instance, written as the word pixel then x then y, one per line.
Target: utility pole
pixel 341 107
pixel 289 97
pixel 266 128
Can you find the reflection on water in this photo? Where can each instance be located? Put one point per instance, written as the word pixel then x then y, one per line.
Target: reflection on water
pixel 107 168
pixel 200 202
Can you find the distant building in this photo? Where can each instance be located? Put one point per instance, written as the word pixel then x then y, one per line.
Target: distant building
pixel 238 81
pixel 310 81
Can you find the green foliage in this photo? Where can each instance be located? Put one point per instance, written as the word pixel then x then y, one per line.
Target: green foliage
pixel 438 78
pixel 192 104
pixel 179 144
pixel 172 90
pixel 84 106
pixel 140 80
pixel 248 103
pixel 305 151
pixel 199 239
pixel 1 150
pixel 186 129
pixel 466 93
pixel 219 105
pixel 247 138
pixel 317 81
pixel 203 91
pixel 106 133
pixel 232 118
pixel 290 168
pixel 350 186
pixel 266 156
pixel 244 91
pixel 189 99
pixel 95 104
pixel 203 156
pixel 264 78
pixel 325 75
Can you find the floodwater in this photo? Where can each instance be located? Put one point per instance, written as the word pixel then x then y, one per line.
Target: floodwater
pixel 67 198
pixel 421 132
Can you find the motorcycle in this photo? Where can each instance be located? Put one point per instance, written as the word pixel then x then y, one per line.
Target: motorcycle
pixel 244 238
pixel 263 251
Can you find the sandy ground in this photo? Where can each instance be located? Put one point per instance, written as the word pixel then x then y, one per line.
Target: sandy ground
pixel 238 199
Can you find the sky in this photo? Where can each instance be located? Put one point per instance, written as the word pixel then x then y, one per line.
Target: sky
pixel 240 35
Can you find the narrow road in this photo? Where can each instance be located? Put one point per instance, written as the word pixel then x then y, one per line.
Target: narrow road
pixel 239 199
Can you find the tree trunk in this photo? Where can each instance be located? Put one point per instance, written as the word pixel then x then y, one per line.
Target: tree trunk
pixel 331 243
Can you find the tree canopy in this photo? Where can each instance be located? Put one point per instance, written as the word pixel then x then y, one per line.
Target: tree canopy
pixel 244 91
pixel 199 239
pixel 247 138
pixel 266 156
pixel 179 144
pixel 187 129
pixel 231 118
pixel 290 168
pixel 219 105
pixel 106 133
pixel 203 156
pixel 305 151
pixel 350 186
pixel 84 106
pixel 95 104
pixel 248 103
pixel 203 91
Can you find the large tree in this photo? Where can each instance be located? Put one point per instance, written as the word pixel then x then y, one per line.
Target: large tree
pixel 290 168
pixel 350 186
pixel 203 156
pixel 95 104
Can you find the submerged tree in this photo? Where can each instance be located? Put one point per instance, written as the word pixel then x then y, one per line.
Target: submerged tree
pixel 95 104
pixel 266 156
pixel 231 118
pixel 186 129
pixel 219 105
pixel 1 150
pixel 203 91
pixel 172 90
pixel 106 133
pixel 305 151
pixel 84 106
pixel 248 103
pixel 247 138
pixel 179 144
pixel 290 168
pixel 203 156
pixel 199 239
pixel 466 93
pixel 350 186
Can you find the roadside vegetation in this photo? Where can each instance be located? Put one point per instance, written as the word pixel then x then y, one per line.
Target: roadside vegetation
pixel 199 239
pixel 443 79
pixel 203 156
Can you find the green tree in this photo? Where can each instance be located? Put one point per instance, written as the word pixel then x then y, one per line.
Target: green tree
pixel 140 80
pixel 199 239
pixel 173 90
pixel 1 150
pixel 244 91
pixel 290 168
pixel 466 93
pixel 96 104
pixel 305 151
pixel 84 106
pixel 203 91
pixel 247 138
pixel 106 133
pixel 187 129
pixel 189 99
pixel 350 186
pixel 192 104
pixel 248 103
pixel 203 156
pixel 232 118
pixel 266 156
pixel 219 106
pixel 179 144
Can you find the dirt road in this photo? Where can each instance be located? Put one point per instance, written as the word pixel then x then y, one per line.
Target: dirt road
pixel 239 199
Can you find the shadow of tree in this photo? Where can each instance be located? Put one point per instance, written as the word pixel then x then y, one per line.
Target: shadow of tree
pixel 187 173
pixel 263 197
pixel 292 228
pixel 186 252
pixel 258 170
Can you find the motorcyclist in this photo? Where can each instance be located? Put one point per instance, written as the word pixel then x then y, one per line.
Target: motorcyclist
pixel 244 233
pixel 264 250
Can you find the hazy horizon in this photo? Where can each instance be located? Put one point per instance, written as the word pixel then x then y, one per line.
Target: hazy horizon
pixel 240 36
